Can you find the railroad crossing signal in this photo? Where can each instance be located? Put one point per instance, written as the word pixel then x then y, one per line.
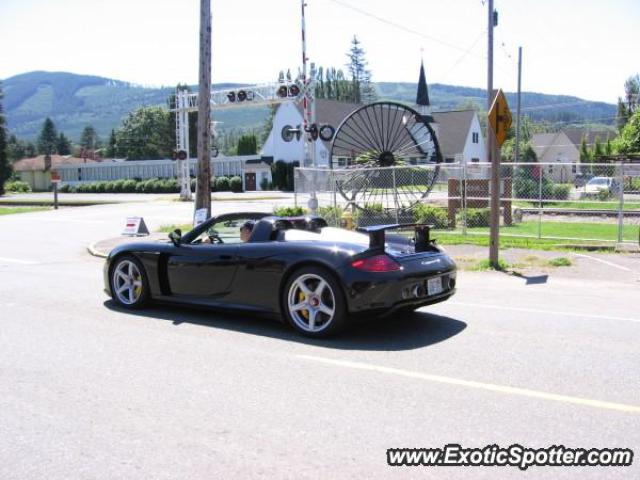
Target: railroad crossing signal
pixel 500 117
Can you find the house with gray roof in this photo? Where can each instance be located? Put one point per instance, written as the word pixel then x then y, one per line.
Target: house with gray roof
pixel 561 150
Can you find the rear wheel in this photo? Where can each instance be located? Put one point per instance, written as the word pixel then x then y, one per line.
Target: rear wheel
pixel 313 303
pixel 129 284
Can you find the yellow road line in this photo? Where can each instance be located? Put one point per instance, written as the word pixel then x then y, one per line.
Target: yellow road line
pixel 524 392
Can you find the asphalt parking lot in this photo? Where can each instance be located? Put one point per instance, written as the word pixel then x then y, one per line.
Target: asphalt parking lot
pixel 91 391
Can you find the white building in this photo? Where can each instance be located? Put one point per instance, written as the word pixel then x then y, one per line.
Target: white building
pixel 289 115
pixel 458 132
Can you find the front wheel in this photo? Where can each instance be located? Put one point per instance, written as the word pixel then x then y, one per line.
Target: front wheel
pixel 129 285
pixel 313 303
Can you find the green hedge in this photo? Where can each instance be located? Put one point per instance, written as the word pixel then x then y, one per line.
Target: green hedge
pixel 289 211
pixel 152 185
pixel 476 217
pixel 17 186
pixel 431 215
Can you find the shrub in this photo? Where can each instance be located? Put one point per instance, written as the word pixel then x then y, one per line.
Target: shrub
pixel 129 186
pixel 604 195
pixel 289 211
pixel 17 186
pixel 561 192
pixel 333 215
pixel 477 217
pixel 235 184
pixel 139 188
pixel 100 187
pixel 265 184
pixel 431 215
pixel 221 184
pixel 118 186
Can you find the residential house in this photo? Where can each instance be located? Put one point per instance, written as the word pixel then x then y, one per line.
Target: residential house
pixel 36 171
pixel 563 148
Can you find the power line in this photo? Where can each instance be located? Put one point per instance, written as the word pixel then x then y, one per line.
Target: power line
pixel 401 27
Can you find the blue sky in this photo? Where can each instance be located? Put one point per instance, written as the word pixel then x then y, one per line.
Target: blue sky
pixel 583 48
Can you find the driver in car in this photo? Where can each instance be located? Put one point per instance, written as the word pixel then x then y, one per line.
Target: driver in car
pixel 246 229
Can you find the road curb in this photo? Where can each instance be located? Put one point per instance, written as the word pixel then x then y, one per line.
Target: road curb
pixel 91 248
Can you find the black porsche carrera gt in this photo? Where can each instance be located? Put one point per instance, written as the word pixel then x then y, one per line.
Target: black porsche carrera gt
pixel 297 268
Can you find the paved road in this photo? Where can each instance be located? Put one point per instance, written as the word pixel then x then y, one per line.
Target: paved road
pixel 89 391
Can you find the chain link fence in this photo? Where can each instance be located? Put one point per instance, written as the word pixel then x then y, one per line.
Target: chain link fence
pixel 563 201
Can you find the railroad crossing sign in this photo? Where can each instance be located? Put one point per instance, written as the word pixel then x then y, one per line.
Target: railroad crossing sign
pixel 500 117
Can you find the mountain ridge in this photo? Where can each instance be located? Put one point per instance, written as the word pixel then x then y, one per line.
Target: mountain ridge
pixel 73 101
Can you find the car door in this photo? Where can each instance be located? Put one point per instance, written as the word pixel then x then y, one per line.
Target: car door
pixel 202 270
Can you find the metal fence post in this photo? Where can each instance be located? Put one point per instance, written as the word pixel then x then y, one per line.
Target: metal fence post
pixel 395 193
pixel 462 191
pixel 621 203
pixel 296 183
pixel 540 174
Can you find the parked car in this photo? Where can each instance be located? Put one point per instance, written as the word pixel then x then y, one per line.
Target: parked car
pixel 298 269
pixel 599 184
pixel 581 179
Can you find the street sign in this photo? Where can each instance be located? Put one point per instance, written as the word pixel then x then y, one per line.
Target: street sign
pixel 55 176
pixel 199 217
pixel 135 226
pixel 500 117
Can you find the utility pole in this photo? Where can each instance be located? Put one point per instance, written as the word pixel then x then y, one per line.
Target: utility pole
pixel 493 155
pixel 517 150
pixel 203 182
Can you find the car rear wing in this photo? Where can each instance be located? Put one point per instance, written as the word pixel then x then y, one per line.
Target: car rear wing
pixel 377 234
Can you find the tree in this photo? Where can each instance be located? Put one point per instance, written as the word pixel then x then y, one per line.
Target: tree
pixel 629 139
pixel 585 154
pixel 5 166
pixel 89 138
pixel 18 149
pixel 268 124
pixel 111 144
pixel 63 145
pixel 631 101
pixel 247 145
pixel 598 150
pixel 48 138
pixel 362 90
pixel 146 135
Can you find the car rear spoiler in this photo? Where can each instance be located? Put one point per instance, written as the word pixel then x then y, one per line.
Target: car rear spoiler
pixel 377 234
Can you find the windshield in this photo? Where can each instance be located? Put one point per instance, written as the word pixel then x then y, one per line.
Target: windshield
pixel 599 181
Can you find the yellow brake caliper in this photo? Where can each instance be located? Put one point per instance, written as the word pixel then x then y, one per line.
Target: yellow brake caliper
pixel 301 297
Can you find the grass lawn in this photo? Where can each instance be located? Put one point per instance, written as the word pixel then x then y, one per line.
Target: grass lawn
pixel 579 205
pixel 583 231
pixel 10 210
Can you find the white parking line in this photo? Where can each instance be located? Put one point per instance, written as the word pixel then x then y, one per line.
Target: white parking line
pixel 541 311
pixel 611 264
pixel 524 392
pixel 15 260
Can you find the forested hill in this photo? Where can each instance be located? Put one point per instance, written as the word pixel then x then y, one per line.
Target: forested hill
pixel 73 101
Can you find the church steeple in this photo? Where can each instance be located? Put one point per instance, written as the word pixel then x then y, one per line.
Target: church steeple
pixel 422 98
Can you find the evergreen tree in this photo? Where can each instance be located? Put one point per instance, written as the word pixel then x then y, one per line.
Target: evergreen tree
pixel 48 139
pixel 247 145
pixel 112 144
pixel 5 166
pixel 89 138
pixel 63 145
pixel 598 150
pixel 585 154
pixel 362 90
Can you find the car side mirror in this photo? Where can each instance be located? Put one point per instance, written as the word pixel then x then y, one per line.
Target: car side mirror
pixel 176 236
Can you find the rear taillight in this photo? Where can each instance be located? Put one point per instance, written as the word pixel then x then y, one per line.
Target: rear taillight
pixel 377 263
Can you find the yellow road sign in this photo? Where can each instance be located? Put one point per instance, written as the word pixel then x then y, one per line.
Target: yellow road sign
pixel 500 117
